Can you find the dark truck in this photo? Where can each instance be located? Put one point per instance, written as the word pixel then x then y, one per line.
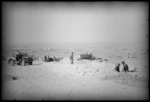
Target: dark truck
pixel 20 59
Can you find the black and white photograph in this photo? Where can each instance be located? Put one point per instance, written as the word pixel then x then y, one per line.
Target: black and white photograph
pixel 75 50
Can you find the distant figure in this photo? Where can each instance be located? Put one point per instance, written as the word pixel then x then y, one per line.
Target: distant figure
pixel 71 58
pixel 117 67
pixel 125 67
pixel 45 58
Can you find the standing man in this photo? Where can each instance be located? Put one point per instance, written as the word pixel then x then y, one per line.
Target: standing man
pixel 71 58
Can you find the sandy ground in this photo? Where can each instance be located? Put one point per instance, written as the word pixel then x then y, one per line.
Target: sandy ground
pixel 94 80
pixel 84 80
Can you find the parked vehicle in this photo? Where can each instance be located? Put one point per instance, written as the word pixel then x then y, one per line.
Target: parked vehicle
pixel 87 56
pixel 20 59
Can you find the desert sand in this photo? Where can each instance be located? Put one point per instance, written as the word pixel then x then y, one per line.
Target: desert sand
pixel 83 80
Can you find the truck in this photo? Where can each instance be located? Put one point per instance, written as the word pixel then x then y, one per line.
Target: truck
pixel 86 56
pixel 20 59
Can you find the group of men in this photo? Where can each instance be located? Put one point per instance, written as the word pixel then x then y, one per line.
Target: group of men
pixel 125 67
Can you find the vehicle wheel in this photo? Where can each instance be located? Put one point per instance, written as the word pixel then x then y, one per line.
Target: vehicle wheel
pixel 23 63
pixel 11 62
pixel 30 63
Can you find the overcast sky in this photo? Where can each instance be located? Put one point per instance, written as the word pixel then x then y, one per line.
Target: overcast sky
pixel 75 22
